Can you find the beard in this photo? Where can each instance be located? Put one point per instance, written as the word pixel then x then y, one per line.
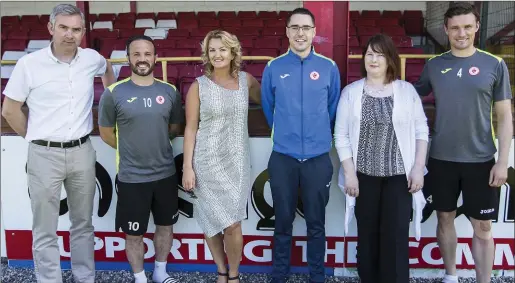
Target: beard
pixel 142 73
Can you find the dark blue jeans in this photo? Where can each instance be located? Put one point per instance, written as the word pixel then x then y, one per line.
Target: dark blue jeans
pixel 311 179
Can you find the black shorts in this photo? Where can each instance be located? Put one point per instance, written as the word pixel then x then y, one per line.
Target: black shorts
pixel 446 180
pixel 136 200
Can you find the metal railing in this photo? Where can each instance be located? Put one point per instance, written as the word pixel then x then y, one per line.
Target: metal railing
pixel 164 61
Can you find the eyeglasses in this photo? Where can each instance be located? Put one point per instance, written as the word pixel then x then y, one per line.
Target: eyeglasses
pixel 305 29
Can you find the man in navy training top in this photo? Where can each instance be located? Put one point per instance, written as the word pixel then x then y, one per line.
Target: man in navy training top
pixel 300 93
pixel 467 83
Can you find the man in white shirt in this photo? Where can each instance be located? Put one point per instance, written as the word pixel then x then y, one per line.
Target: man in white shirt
pixel 57 84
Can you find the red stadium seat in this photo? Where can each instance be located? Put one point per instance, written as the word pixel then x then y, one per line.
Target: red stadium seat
pixel 200 33
pixel 106 17
pixel 98 89
pixel 186 15
pixel 352 31
pixel 392 14
pixel 164 43
pixel 267 42
pixel 206 15
pixel 354 68
pixel 230 22
pixel 387 22
pixel 413 14
pixel 394 31
pixel 354 14
pixel 177 53
pixel 284 14
pixel 363 40
pixel 353 79
pixel 127 16
pixel 285 42
pixel 365 30
pixel 166 16
pixel 252 23
pixel 226 15
pixel 268 15
pixel 255 69
pixel 272 52
pixel 10 20
pixel 183 88
pixel 413 71
pixel 18 35
pixel 124 24
pixel 151 16
pixel 209 22
pixel 187 23
pixel 251 31
pixel 44 19
pixel 177 33
pixel 39 35
pixel 370 14
pixel 187 43
pixel 402 41
pixel 247 42
pixel 247 14
pixel 279 31
pixel 30 18
pixel 14 45
pixel 276 23
pixel 355 50
pixel 126 33
pixel 353 41
pixel 125 72
pixel 365 22
pixel 414 26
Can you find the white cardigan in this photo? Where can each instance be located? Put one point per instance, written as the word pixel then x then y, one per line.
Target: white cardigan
pixel 409 121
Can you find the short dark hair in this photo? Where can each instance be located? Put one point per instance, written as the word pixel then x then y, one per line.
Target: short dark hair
pixel 383 44
pixel 300 11
pixel 140 37
pixel 460 8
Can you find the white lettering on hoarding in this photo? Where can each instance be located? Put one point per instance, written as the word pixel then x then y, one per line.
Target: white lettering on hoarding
pixel 338 251
pixel 503 251
pixel 176 244
pixel 260 251
pixel 111 247
pixel 248 251
pixel 427 257
pixel 463 251
pixel 413 245
pixel 192 247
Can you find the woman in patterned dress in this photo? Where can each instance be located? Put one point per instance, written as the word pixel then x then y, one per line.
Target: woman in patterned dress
pixel 381 136
pixel 216 149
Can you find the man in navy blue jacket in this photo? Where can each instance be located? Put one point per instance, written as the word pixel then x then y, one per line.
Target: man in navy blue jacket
pixel 300 92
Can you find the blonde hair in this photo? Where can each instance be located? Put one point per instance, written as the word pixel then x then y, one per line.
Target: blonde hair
pixel 229 41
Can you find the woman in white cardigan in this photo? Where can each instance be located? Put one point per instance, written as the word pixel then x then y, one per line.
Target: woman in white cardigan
pixel 381 136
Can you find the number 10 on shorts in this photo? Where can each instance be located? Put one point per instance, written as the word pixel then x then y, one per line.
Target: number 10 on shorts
pixel 133 226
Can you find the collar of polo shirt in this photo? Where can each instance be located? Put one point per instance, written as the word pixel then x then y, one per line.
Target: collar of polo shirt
pixel 51 54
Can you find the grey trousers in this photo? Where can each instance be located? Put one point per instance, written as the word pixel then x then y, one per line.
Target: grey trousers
pixel 48 168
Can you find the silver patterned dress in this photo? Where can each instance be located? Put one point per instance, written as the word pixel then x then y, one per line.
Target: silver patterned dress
pixel 221 158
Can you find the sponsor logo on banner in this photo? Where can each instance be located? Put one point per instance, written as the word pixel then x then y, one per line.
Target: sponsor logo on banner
pixel 189 245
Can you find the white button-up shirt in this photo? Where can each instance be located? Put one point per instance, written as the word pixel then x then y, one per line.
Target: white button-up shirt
pixel 59 95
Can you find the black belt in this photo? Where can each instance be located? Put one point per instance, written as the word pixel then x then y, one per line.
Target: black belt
pixel 62 144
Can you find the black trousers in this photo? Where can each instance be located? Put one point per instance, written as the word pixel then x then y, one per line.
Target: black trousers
pixel 383 212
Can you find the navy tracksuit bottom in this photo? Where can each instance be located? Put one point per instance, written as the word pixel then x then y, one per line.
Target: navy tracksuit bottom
pixel 311 180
